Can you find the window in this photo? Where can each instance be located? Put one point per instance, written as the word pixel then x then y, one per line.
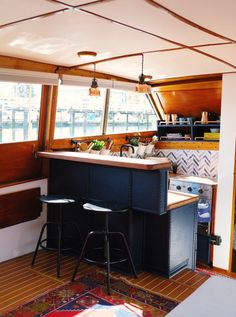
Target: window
pixel 129 112
pixel 19 111
pixel 78 114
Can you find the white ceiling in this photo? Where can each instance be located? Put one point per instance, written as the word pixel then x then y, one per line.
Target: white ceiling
pixel 115 28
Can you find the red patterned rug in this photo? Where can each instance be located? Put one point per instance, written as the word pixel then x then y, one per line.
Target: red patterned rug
pixel 87 297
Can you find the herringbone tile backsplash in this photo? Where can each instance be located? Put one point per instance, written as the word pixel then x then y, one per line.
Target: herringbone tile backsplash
pixel 193 162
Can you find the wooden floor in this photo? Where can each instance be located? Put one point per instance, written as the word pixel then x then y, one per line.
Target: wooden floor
pixel 20 283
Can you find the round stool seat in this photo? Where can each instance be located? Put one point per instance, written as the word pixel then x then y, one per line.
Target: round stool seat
pixel 56 199
pixel 103 206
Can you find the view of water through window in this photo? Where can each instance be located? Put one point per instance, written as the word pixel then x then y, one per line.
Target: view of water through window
pixel 130 111
pixel 78 114
pixel 19 111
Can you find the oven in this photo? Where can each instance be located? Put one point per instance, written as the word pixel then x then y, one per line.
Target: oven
pixel 205 188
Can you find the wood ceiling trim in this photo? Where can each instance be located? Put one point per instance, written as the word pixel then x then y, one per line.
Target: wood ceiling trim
pixel 186 80
pixel 90 73
pixel 47 14
pixel 119 23
pixel 160 37
pixel 204 85
pixel 189 22
pixel 141 53
pixel 43 15
pixel 25 64
pixel 80 5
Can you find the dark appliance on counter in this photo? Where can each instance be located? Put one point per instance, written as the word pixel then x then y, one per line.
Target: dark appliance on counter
pixel 206 189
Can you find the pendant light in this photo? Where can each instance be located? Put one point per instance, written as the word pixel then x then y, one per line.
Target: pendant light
pixel 142 87
pixel 94 90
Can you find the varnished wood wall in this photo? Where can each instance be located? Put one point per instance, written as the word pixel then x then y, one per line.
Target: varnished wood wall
pixel 190 98
pixel 19 207
pixel 17 162
pixel 118 140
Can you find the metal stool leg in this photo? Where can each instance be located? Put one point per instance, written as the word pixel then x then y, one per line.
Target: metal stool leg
pixel 59 249
pixel 128 252
pixel 81 255
pixel 108 260
pixel 76 227
pixel 38 243
pixel 59 227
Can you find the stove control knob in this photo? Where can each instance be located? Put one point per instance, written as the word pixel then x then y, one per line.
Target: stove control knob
pixel 189 189
pixel 178 187
pixel 200 191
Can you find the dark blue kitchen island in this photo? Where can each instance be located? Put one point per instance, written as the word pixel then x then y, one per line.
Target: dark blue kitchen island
pixel 160 225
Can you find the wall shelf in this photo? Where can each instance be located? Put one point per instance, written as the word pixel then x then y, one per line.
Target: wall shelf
pixel 188 145
pixel 189 132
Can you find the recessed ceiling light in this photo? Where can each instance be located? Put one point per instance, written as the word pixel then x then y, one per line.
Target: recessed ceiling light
pixel 87 54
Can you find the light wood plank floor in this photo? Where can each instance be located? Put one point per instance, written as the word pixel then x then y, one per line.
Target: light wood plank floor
pixel 20 283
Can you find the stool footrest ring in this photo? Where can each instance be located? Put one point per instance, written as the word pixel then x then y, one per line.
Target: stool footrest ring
pixel 97 256
pixel 51 248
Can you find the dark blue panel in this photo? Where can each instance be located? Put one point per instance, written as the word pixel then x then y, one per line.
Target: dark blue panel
pixel 149 191
pixel 69 178
pixel 110 184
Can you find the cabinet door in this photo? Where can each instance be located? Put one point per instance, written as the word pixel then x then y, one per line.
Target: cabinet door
pixel 156 245
pixel 170 241
pixel 182 238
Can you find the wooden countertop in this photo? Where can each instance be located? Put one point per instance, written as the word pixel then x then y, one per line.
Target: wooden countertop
pixel 143 164
pixel 175 199
pixel 194 179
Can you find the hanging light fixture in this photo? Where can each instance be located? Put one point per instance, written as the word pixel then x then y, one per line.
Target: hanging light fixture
pixel 94 90
pixel 142 87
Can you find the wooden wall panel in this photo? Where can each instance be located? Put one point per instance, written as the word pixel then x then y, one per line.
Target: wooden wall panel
pixel 19 207
pixel 118 139
pixel 191 103
pixel 18 163
pixel 189 99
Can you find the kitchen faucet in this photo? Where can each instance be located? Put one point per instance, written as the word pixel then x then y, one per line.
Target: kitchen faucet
pixel 126 146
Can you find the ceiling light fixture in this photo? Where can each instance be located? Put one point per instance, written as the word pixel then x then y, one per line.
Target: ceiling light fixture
pixel 142 87
pixel 94 90
pixel 86 54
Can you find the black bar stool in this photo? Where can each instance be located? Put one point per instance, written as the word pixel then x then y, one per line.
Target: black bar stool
pixel 107 209
pixel 59 200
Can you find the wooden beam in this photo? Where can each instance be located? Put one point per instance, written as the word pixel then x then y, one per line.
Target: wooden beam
pixel 24 64
pixel 90 73
pixel 186 80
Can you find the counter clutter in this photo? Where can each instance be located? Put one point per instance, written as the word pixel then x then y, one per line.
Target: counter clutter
pixel 133 148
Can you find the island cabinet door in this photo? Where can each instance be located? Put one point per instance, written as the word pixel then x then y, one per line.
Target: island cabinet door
pixel 149 191
pixel 182 239
pixel 170 241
